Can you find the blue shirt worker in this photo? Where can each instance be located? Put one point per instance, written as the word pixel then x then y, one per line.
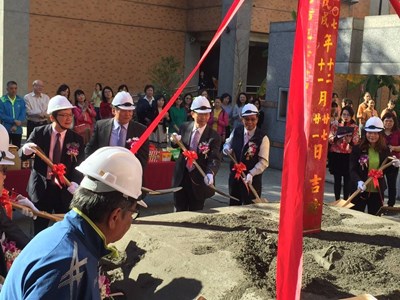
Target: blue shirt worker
pixel 61 262
pixel 13 113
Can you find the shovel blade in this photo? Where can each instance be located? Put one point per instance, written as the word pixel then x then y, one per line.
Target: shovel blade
pixel 260 200
pixel 341 203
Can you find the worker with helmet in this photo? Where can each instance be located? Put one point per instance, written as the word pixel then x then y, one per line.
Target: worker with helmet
pixel 61 145
pixel 369 154
pixel 7 227
pixel 121 130
pixel 250 146
pixel 199 137
pixel 62 261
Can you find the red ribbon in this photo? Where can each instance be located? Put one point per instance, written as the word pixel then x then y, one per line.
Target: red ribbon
pixel 239 168
pixel 5 202
pixel 58 171
pixel 190 156
pixel 375 174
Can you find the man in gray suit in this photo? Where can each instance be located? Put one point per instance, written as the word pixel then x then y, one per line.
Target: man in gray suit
pixel 120 130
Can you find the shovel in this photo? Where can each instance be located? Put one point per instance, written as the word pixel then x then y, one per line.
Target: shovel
pixel 252 189
pixel 39 152
pixel 347 203
pixel 41 214
pixel 182 146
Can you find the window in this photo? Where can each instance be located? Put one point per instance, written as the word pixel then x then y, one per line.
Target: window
pixel 282 103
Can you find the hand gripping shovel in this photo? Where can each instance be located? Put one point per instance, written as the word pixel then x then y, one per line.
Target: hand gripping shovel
pixel 182 146
pixel 347 203
pixel 253 190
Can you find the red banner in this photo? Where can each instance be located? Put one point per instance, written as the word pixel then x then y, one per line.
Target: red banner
pixel 396 6
pixel 307 130
pixel 228 17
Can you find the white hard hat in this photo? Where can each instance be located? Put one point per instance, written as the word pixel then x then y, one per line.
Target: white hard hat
pixel 4 144
pixel 123 100
pixel 201 105
pixel 114 169
pixel 249 109
pixel 374 124
pixel 58 103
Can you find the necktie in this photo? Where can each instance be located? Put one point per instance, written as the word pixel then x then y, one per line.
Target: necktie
pixel 57 150
pixel 121 136
pixel 193 146
pixel 195 140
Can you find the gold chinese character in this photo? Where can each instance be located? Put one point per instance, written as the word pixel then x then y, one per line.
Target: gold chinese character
pixel 318 151
pixel 321 64
pixel 324 135
pixel 315 183
pixel 328 42
pixel 322 97
pixel 324 20
pixel 330 64
pixel 317 118
pixel 326 118
pixel 334 24
pixel 325 3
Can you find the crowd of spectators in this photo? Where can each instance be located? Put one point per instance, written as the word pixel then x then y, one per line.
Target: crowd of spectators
pixel 359 143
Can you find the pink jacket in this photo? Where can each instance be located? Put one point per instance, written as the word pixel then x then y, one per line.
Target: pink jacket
pixel 223 121
pixel 84 117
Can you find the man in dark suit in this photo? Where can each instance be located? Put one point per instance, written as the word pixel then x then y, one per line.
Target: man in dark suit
pixel 199 137
pixel 120 130
pixel 144 110
pixel 61 145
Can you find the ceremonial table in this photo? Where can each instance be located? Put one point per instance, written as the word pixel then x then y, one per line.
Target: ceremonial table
pixel 157 175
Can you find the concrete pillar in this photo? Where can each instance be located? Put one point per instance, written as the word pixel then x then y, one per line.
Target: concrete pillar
pixel 192 52
pixel 14 42
pixel 234 53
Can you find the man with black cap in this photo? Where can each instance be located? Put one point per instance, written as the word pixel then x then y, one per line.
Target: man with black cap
pixel 250 146
pixel 120 130
pixel 61 145
pixel 62 261
pixel 197 136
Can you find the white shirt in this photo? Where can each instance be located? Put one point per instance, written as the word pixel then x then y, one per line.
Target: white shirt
pixel 149 100
pixel 36 107
pixel 263 154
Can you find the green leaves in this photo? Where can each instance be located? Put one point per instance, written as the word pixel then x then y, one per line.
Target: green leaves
pixel 165 75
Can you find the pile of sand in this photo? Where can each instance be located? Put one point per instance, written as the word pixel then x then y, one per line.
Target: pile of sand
pixel 230 253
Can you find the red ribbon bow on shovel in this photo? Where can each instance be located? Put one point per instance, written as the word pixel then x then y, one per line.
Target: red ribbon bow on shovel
pixel 190 156
pixel 239 168
pixel 5 202
pixel 375 174
pixel 58 171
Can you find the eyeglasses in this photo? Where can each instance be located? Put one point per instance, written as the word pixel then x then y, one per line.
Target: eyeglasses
pixel 250 119
pixel 66 116
pixel 135 213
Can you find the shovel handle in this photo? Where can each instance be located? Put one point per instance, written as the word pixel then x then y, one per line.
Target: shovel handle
pixel 41 214
pixel 48 162
pixel 383 167
pixel 182 146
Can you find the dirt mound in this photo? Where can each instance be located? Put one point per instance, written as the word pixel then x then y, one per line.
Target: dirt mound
pixel 231 254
